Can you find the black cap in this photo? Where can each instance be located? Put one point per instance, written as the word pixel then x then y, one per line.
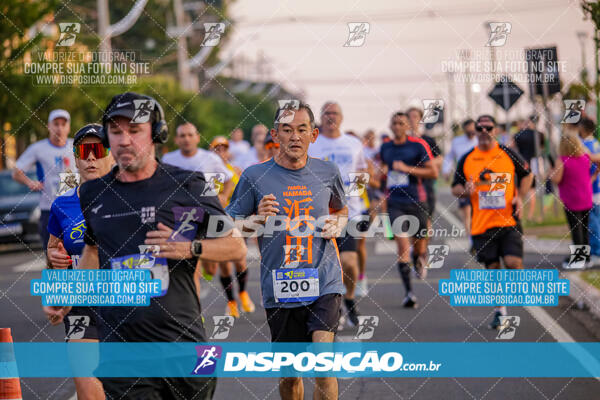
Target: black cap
pixel 136 107
pixel 91 130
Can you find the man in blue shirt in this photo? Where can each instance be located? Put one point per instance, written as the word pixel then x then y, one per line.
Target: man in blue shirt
pixel 301 273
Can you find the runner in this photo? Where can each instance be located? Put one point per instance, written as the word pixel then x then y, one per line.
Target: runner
pixel 141 208
pixel 66 228
pixel 220 146
pixel 346 152
pixel 587 129
pixel 496 179
pixel 192 158
pixel 407 160
pixel 51 157
pixel 459 147
pixel 237 145
pixel 257 153
pixel 304 304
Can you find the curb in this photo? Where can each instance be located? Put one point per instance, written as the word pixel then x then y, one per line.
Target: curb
pixel 581 291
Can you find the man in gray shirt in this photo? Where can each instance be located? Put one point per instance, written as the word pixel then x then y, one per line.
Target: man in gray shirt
pixel 300 202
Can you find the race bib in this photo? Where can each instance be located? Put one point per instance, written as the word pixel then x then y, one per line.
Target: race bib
pixel 492 200
pixel 295 285
pixel 157 265
pixel 397 179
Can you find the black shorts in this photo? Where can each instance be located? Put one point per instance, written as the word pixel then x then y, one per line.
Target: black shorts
pixel 418 210
pixel 159 388
pixel 495 243
pixel 346 242
pixel 80 323
pixel 297 324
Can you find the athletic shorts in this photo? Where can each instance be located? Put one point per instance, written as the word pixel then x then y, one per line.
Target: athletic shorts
pixel 297 324
pixel 159 388
pixel 346 242
pixel 418 210
pixel 463 202
pixel 495 243
pixel 80 323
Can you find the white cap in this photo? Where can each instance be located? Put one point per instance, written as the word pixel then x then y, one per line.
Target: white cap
pixel 59 113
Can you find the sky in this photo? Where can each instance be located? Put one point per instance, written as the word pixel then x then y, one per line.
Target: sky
pixel 407 52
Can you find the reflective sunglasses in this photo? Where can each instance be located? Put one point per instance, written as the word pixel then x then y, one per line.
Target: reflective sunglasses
pixel 82 151
pixel 481 128
pixel 271 145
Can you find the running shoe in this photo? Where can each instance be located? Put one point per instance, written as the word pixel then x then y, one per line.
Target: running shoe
pixel 247 304
pixel 495 324
pixel 410 301
pixel 232 309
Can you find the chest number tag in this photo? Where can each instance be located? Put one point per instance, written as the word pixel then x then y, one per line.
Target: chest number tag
pixel 397 179
pixel 295 285
pixel 157 266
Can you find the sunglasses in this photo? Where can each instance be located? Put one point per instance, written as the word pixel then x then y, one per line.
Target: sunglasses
pixel 481 128
pixel 271 145
pixel 82 151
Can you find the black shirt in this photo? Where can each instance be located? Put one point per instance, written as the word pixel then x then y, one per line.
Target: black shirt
pixel 525 142
pixel 118 215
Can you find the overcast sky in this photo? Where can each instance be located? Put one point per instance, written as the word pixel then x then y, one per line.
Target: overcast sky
pixel 408 47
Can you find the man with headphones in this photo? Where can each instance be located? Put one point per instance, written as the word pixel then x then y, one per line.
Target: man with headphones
pixel 142 210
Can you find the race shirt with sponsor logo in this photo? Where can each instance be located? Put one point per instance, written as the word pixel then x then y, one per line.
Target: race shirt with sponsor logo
pixel 297 266
pixel 346 152
pixel 118 215
pixel 401 187
pixel 496 175
pixel 66 223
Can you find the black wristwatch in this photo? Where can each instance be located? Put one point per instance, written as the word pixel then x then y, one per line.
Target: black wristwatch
pixel 196 248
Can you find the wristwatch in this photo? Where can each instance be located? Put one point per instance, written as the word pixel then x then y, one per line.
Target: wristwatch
pixel 196 248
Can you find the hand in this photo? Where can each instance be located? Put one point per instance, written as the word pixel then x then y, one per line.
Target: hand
pixel 36 186
pixel 267 205
pixel 169 249
pixel 517 206
pixel 399 166
pixel 332 227
pixel 56 314
pixel 58 257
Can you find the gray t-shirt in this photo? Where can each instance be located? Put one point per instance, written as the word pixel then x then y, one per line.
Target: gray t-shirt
pixel 303 195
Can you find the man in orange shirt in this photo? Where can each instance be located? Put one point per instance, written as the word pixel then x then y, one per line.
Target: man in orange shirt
pixel 495 179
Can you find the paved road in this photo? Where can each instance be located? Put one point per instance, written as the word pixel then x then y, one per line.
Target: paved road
pixel 434 321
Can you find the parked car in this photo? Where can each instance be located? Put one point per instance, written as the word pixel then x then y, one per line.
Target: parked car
pixel 19 211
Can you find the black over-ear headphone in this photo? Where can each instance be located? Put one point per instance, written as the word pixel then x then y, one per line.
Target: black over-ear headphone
pixel 160 130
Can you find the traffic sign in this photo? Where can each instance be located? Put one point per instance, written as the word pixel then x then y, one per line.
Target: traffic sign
pixel 505 93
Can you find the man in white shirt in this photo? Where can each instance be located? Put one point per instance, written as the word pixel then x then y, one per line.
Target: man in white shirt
pixel 51 157
pixel 192 158
pixel 257 153
pixel 238 147
pixel 460 146
pixel 346 152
